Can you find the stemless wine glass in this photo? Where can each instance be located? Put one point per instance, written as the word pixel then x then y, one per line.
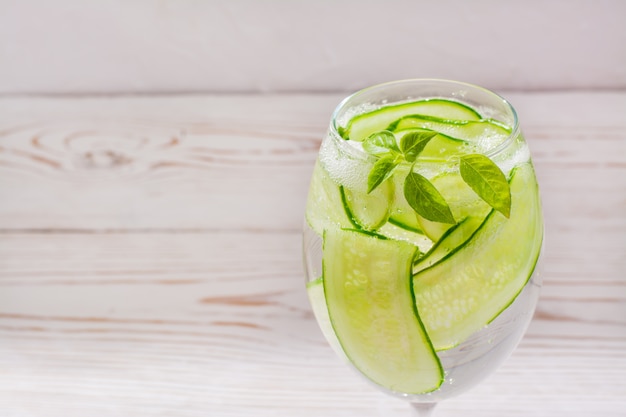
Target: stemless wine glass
pixel 423 230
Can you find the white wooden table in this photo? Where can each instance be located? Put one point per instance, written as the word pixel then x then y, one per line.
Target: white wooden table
pixel 150 262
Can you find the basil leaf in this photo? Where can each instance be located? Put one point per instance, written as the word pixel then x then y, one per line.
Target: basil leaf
pixel 413 143
pixel 424 198
pixel 488 181
pixel 381 170
pixel 380 143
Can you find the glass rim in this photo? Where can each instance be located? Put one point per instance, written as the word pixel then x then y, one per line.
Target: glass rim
pixel 334 130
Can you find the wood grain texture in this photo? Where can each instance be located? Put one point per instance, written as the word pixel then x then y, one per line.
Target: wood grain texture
pixel 150 262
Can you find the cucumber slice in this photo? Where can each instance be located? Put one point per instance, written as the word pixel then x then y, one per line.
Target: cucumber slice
pixel 464 130
pixel 367 283
pixel 439 148
pixel 332 205
pixel 315 291
pixel 392 230
pixel 368 211
pixel 465 291
pixel 363 125
pixel 453 239
pixel 324 208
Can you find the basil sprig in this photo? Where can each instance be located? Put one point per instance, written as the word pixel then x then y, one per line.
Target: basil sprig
pixel 480 173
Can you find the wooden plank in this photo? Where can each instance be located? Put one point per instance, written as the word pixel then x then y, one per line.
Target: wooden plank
pixel 136 163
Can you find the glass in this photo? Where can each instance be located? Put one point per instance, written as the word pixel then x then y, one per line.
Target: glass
pixel 424 309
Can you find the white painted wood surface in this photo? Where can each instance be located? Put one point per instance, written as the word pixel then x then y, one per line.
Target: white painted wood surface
pixel 150 262
pixel 77 46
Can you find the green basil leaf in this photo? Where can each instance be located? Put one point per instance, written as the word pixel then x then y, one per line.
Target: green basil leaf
pixel 413 143
pixel 381 170
pixel 424 198
pixel 380 143
pixel 488 181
